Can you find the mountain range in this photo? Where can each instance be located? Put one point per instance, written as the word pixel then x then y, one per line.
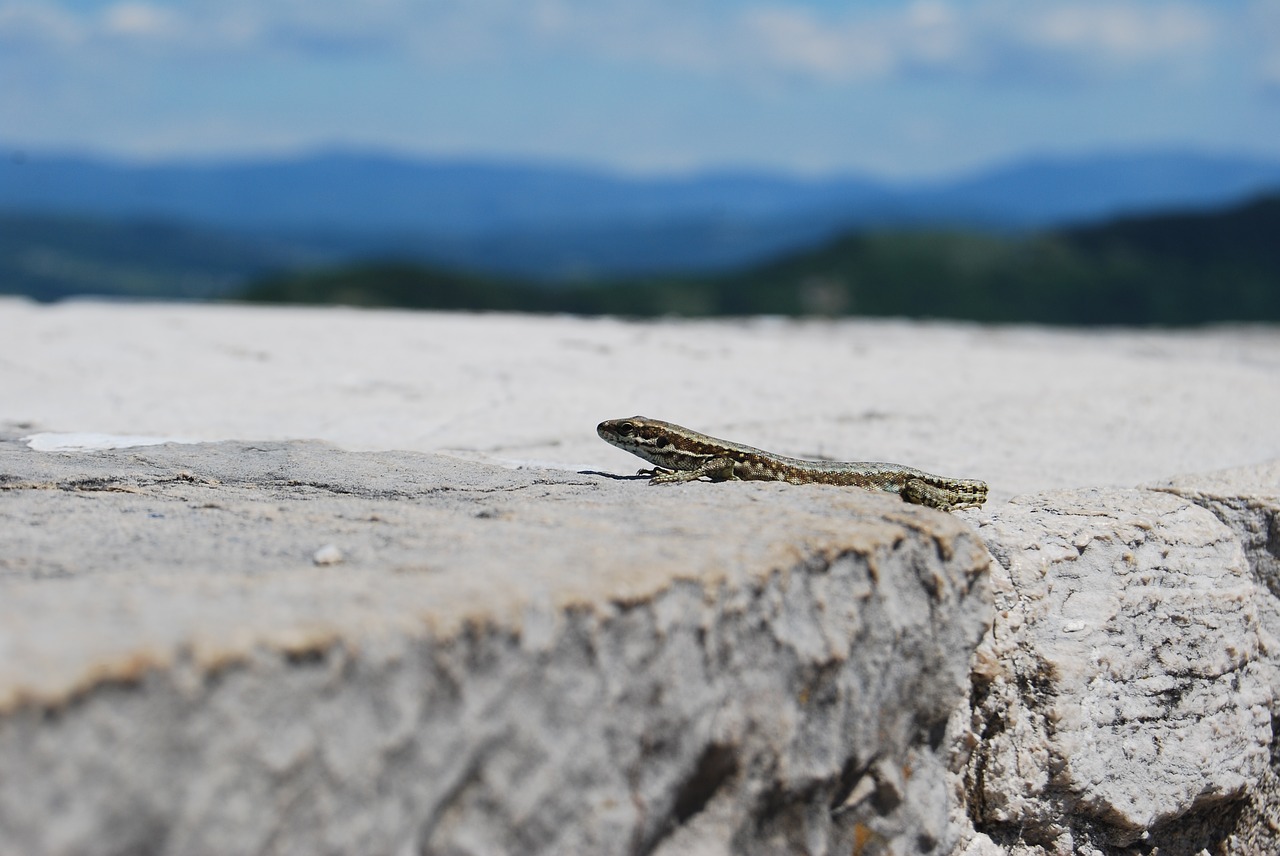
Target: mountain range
pixel 1164 269
pixel 557 222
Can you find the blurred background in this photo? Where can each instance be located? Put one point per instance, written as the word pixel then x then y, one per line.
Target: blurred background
pixel 1051 161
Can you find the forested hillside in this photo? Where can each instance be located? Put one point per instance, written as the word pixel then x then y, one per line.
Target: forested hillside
pixel 1173 269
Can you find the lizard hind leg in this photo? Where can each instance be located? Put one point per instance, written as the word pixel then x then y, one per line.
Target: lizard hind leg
pixel 966 494
pixel 920 492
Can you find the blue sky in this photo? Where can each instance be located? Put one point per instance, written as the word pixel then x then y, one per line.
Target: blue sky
pixel 894 88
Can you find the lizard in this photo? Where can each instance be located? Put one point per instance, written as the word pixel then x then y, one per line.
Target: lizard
pixel 680 455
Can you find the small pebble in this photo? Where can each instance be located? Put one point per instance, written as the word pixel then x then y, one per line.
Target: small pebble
pixel 329 554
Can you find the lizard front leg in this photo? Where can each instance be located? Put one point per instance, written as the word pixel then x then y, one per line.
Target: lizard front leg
pixel 716 469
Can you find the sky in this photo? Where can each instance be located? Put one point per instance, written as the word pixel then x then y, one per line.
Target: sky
pixel 896 89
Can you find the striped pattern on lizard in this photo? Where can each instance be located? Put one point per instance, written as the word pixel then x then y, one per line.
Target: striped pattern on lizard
pixel 679 455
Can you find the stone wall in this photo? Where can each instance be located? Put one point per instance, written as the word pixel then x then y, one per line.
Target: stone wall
pixel 1123 696
pixel 286 648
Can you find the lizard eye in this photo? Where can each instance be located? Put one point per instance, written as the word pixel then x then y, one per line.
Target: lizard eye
pixel 626 429
pixel 661 442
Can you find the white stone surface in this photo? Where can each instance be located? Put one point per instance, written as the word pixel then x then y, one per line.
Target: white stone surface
pixel 502 662
pixel 1121 687
pixel 1125 691
pixel 1247 500
pixel 50 441
pixel 1024 408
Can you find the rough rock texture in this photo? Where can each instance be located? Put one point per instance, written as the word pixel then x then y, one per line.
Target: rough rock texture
pixel 1120 698
pixel 1247 500
pixel 282 648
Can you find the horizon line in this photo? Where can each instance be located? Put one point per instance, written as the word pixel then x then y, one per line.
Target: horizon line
pixel 11 154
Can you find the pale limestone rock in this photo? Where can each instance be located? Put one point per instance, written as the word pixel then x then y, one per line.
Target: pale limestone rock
pixel 504 662
pixel 1120 691
pixel 1247 500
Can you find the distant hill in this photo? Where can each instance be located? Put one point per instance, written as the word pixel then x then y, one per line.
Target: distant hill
pixel 563 223
pixel 367 194
pixel 51 257
pixel 1245 235
pixel 1175 269
pixel 1044 193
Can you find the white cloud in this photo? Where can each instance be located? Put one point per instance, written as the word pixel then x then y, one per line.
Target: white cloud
pixel 989 39
pixel 138 19
pixel 34 25
pixel 793 40
pixel 1123 33
pixel 924 35
pixel 646 81
pixel 1065 39
pixel 205 27
pixel 986 38
pixel 1264 29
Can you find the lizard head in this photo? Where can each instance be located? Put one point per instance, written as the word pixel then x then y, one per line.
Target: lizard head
pixel 635 433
